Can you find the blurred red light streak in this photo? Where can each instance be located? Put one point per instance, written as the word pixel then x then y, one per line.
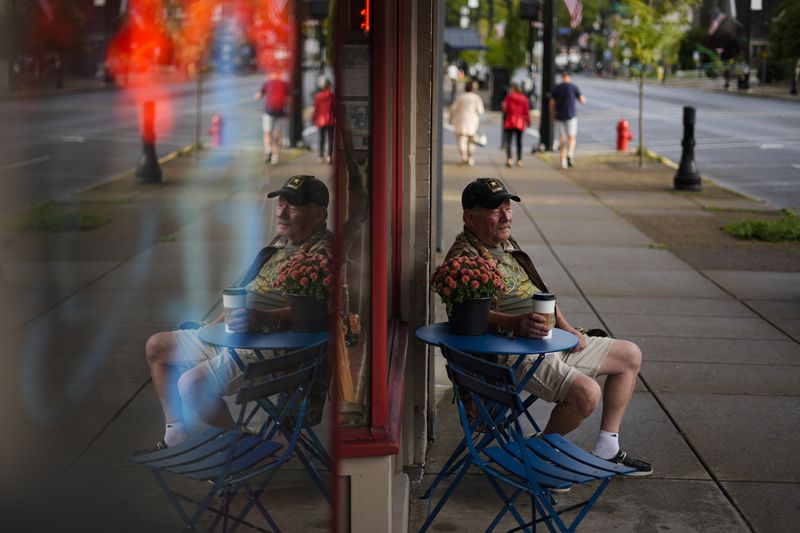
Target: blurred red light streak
pixel 154 48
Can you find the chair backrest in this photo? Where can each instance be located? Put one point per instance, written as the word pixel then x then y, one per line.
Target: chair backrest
pixel 285 362
pixel 499 373
pixel 262 377
pixel 488 384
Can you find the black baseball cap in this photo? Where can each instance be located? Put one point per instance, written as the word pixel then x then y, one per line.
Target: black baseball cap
pixel 486 192
pixel 303 190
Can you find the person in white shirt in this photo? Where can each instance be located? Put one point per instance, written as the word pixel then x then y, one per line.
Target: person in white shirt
pixel 465 115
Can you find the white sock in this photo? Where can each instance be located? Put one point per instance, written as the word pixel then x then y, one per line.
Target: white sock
pixel 175 434
pixel 607 445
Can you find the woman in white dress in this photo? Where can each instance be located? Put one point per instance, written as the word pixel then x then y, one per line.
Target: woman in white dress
pixel 465 115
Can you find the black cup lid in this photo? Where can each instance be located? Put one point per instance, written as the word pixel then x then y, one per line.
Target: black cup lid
pixel 544 296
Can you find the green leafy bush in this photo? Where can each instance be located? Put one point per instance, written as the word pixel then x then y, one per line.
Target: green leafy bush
pixel 787 228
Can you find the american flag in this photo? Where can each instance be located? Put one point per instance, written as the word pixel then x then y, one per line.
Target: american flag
pixel 716 21
pixel 575 10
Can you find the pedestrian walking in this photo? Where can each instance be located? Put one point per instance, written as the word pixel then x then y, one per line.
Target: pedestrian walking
pixel 517 117
pixel 562 110
pixel 323 119
pixel 465 116
pixel 275 92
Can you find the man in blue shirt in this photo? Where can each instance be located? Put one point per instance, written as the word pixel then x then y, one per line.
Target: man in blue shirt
pixel 562 109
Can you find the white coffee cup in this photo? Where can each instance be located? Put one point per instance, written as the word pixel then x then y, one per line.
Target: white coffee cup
pixel 232 298
pixel 544 303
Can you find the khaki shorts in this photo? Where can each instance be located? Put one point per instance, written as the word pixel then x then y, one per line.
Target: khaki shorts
pixel 555 375
pixel 271 123
pixel 568 127
pixel 217 360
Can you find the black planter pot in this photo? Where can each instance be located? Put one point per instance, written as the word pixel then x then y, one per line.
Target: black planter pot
pixel 470 317
pixel 308 313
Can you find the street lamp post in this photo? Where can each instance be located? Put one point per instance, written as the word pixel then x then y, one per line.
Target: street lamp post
pixel 746 75
pixel 148 170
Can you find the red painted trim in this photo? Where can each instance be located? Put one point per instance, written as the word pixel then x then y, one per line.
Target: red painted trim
pixel 378 169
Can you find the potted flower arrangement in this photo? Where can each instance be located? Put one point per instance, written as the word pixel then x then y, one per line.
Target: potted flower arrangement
pixel 467 285
pixel 305 279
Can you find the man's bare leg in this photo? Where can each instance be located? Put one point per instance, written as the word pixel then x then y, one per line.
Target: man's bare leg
pixel 562 148
pixel 276 144
pixel 581 400
pixel 200 391
pixel 267 137
pixel 166 367
pixel 621 368
pixel 571 149
pixel 167 372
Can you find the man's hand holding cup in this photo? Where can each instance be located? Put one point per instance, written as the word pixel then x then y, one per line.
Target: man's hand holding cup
pixel 544 308
pixel 237 316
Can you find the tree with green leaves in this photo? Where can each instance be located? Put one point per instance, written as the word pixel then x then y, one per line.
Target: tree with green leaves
pixel 785 37
pixel 652 33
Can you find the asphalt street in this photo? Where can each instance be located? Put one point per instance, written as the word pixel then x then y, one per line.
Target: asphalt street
pixel 52 146
pixel 750 144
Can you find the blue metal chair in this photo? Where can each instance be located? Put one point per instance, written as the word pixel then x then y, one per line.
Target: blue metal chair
pixel 459 461
pixel 532 465
pixel 238 460
pixel 311 451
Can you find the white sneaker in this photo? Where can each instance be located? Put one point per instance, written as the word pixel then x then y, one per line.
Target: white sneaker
pixel 564 164
pixel 471 162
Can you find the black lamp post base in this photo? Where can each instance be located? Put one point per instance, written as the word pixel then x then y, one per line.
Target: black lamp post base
pixel 687 183
pixel 148 170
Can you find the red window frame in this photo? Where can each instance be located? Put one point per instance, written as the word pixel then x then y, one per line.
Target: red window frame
pixel 382 435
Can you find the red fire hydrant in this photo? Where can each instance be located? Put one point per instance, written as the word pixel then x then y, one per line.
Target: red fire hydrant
pixel 623 135
pixel 215 130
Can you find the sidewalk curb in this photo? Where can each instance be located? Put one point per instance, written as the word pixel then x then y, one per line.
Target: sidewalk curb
pixel 675 166
pixel 289 154
pixel 130 173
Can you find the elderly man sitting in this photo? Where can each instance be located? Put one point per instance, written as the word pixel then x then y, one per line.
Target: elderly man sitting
pixel 566 378
pixel 301 214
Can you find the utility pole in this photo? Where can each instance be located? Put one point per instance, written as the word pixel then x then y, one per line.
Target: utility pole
pixel 746 76
pixel 548 66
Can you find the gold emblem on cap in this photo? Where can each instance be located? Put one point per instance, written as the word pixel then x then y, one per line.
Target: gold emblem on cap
pixel 494 186
pixel 296 182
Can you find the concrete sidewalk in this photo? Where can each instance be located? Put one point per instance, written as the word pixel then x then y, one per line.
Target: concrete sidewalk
pixel 717 408
pixel 76 397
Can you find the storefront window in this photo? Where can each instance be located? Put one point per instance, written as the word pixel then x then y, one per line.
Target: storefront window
pixel 353 221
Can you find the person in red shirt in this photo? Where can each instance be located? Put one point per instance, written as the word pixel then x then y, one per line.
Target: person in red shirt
pixel 517 112
pixel 275 92
pixel 323 119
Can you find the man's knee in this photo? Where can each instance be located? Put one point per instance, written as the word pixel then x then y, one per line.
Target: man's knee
pixel 631 355
pixel 196 384
pixel 159 348
pixel 584 394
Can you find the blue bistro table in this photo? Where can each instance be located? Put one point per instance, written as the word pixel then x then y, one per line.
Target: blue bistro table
pixel 278 340
pixel 438 333
pixel 309 444
pixel 488 343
